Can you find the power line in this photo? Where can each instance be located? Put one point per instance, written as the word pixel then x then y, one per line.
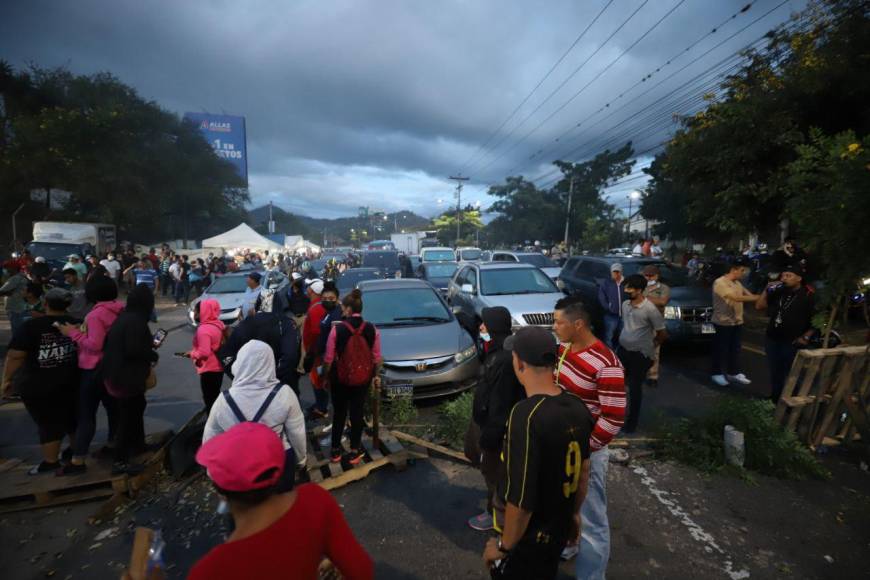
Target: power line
pixel 537 86
pixel 568 78
pixel 584 87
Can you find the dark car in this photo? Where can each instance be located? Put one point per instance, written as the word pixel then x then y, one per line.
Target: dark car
pixel 438 274
pixel 386 263
pixel 350 278
pixel 688 314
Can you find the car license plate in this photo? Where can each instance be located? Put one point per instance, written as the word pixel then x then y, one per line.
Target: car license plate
pixel 707 328
pixel 400 390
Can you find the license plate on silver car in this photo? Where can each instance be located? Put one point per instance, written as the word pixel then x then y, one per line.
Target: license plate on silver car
pixel 404 389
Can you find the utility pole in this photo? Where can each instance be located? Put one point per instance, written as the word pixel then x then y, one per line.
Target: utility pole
pixel 568 215
pixel 458 179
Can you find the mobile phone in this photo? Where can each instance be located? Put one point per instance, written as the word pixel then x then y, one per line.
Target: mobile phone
pixel 180 354
pixel 159 337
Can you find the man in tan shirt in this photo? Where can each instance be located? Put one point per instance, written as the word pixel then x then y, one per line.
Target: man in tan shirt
pixel 659 294
pixel 728 298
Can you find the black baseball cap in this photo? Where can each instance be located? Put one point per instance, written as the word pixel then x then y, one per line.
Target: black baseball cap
pixel 255 276
pixel 534 345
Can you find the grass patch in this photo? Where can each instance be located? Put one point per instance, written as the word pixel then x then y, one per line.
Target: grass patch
pixel 455 416
pixel 398 410
pixel 770 448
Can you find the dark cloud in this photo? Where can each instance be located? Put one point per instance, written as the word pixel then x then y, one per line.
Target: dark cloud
pixel 354 103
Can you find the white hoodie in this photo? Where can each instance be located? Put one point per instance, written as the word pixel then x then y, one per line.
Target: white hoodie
pixel 254 377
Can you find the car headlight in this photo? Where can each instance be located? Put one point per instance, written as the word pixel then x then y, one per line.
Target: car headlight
pixel 672 313
pixel 866 281
pixel 465 354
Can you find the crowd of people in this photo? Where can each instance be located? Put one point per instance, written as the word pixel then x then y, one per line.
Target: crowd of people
pixel 544 411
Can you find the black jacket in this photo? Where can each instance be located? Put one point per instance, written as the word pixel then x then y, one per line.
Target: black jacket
pixel 279 332
pixel 496 394
pixel 128 352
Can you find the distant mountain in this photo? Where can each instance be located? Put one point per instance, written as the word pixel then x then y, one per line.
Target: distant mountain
pixel 337 230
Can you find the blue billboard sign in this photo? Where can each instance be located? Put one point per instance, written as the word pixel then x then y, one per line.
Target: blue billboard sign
pixel 226 135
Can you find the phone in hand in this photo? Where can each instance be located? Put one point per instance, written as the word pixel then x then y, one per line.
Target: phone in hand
pixel 159 337
pixel 180 354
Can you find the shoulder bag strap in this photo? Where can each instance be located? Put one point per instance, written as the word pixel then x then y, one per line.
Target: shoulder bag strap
pixel 234 407
pixel 267 402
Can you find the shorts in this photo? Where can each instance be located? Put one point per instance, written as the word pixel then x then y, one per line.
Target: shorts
pixel 531 559
pixel 54 416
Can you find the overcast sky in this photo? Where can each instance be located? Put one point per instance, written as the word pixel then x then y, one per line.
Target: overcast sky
pixel 377 102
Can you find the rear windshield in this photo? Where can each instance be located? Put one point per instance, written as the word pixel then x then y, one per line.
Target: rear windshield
pixel 539 260
pixel 469 255
pixel 228 285
pixel 380 260
pixel 438 256
pixel 673 276
pixel 51 251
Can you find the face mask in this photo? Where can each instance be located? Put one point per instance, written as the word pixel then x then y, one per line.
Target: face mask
pixel 485 337
pixel 328 304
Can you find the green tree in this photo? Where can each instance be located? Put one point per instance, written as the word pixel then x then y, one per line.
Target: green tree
pixel 469 223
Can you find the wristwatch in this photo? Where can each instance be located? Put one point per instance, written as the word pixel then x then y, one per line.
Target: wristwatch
pixel 501 548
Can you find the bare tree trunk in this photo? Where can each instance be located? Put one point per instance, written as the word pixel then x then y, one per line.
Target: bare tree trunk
pixel 830 326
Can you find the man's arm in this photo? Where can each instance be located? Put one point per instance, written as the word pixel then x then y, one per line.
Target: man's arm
pixel 611 397
pixel 579 498
pixel 128 269
pixel 14 361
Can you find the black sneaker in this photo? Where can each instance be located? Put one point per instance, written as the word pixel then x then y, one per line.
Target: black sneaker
pixel 71 469
pixel 44 467
pixel 355 456
pixel 67 454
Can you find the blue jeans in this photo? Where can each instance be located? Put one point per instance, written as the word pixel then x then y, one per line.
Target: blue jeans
pixel 167 284
pixel 91 393
pixel 612 328
pixel 16 319
pixel 726 349
pixel 780 355
pixel 182 290
pixel 595 535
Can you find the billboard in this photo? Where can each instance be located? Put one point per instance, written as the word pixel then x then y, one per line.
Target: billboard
pixel 226 135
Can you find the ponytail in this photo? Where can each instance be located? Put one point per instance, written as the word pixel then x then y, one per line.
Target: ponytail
pixel 353 301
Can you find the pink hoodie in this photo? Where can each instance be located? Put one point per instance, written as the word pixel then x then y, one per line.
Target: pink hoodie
pixel 207 339
pixel 97 322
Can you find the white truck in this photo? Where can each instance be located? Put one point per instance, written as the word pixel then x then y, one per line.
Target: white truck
pixel 54 241
pixel 408 243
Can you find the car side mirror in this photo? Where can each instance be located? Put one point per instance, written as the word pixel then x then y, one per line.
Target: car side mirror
pixel 467 289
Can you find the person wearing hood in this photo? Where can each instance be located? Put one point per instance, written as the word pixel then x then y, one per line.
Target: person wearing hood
pixel 206 343
pixel 91 339
pixel 127 365
pixel 257 395
pixel 494 397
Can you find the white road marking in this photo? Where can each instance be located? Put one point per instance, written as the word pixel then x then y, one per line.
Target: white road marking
pixel 696 531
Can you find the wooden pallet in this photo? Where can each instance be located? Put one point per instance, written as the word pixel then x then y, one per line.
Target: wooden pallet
pixel 20 491
pixel 822 385
pixel 386 451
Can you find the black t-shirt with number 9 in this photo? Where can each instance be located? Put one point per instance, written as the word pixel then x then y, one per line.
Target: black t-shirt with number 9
pixel 546 442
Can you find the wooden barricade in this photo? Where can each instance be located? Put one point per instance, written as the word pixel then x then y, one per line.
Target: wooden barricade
pixel 823 386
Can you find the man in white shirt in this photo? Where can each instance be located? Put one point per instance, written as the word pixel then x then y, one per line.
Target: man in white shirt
pixel 176 272
pixel 252 294
pixel 112 266
pixel 655 249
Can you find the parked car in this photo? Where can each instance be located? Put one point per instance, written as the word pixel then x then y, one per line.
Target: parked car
pixel 688 314
pixel 468 254
pixel 385 262
pixel 525 290
pixel 437 255
pixel 229 291
pixel 438 274
pixel 534 258
pixel 426 352
pixel 350 278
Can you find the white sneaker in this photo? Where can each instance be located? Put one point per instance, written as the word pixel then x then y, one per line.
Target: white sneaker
pixel 720 380
pixel 569 552
pixel 741 378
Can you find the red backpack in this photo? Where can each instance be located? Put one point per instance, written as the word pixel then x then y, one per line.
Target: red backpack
pixel 355 364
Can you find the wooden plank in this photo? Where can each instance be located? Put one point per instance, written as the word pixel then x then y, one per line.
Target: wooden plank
pixel 431 446
pixel 806 386
pixel 795 401
pixel 841 388
pixel 8 464
pixel 48 499
pixel 361 471
pixel 797 366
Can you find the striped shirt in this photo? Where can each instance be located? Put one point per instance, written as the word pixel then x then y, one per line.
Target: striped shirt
pixel 145 277
pixel 596 376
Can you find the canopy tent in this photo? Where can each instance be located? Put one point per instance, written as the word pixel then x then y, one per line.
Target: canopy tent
pixel 299 244
pixel 242 236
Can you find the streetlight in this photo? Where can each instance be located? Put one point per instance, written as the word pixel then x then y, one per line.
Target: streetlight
pixel 631 197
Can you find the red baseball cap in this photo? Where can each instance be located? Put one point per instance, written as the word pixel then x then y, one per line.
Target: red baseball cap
pixel 241 458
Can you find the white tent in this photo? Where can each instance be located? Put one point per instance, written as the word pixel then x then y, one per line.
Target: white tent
pixel 242 236
pixel 299 244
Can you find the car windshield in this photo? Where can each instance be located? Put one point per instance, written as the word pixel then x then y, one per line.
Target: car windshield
pixel 438 256
pixel 381 260
pixel 404 307
pixel 228 285
pixel 673 276
pixel 515 281
pixel 440 270
pixel 539 260
pixel 470 254
pixel 351 278
pixel 53 251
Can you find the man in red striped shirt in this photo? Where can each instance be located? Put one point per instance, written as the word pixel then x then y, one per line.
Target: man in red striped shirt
pixel 590 370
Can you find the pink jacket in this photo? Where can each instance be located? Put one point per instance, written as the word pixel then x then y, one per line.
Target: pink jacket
pixel 207 339
pixel 97 323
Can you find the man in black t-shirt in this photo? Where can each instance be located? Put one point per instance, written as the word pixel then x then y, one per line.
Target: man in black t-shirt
pixel 790 305
pixel 48 378
pixel 546 453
